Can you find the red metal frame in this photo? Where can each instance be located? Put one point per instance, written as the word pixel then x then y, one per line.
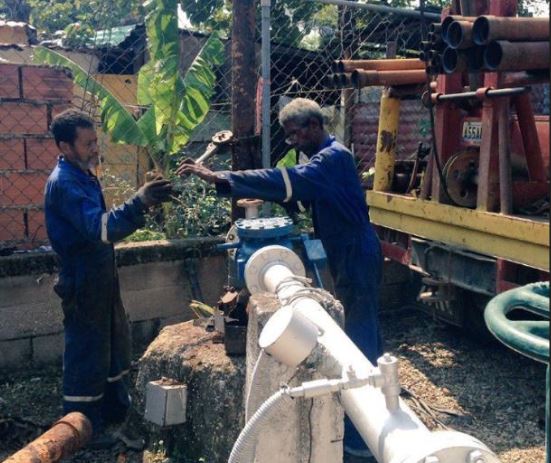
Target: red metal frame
pixel 449 141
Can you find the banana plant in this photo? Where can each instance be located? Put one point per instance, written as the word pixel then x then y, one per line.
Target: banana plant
pixel 172 105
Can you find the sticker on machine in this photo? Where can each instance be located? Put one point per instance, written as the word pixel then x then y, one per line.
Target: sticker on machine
pixel 472 131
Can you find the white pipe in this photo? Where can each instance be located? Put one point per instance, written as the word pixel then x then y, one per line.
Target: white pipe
pixel 253 388
pixel 393 434
pixel 243 449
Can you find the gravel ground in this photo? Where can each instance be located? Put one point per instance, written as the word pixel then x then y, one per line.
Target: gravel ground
pixel 449 379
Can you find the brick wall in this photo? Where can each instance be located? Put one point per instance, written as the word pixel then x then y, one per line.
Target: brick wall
pixel 29 97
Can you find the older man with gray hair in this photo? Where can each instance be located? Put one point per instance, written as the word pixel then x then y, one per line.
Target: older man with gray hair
pixel 329 183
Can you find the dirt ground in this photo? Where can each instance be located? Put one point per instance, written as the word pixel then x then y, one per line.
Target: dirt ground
pixel 449 379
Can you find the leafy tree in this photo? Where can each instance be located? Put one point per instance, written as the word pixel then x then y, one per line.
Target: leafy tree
pixel 174 105
pixel 49 16
pixel 15 10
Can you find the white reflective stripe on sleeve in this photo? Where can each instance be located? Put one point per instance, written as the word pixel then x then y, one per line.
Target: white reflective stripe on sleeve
pixel 301 208
pixel 112 379
pixel 287 181
pixel 104 218
pixel 81 398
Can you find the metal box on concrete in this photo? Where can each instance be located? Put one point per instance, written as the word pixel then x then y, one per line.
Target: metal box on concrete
pixel 165 402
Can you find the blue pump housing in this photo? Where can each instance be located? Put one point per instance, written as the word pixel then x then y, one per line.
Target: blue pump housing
pixel 257 233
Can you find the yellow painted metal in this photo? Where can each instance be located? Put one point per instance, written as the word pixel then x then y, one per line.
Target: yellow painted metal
pixel 389 117
pixel 517 239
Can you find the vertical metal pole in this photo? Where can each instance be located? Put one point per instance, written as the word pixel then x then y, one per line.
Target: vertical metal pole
pixel 504 140
pixel 349 43
pixel 266 92
pixel 385 155
pixel 266 84
pixel 547 417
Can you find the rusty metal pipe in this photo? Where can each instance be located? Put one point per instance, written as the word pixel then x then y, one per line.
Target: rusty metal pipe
pixel 489 28
pixel 435 28
pixel 454 61
pixel 62 440
pixel 516 56
pixel 481 93
pixel 361 78
pixel 379 65
pixel 460 34
pixel 448 20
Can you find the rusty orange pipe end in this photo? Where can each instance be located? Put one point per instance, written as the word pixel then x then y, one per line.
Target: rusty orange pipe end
pixel 62 440
pixel 380 65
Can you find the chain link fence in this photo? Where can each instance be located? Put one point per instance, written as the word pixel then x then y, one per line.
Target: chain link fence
pixel 307 36
pixel 308 40
pixel 32 94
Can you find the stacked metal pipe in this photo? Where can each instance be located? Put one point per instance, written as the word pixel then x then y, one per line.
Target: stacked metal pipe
pixel 383 72
pixel 487 43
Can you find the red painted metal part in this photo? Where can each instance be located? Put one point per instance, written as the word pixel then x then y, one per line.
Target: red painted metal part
pixel 505 276
pixel 447 127
pixel 529 136
pixel 526 193
pixel 488 167
pixel 396 252
pixel 529 133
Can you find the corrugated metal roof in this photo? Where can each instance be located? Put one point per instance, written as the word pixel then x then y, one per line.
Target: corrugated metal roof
pixel 113 36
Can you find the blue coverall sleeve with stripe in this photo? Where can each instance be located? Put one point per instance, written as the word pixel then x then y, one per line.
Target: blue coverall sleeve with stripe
pixel 97 342
pixel 341 220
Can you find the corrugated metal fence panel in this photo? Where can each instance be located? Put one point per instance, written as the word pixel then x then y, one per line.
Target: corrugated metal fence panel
pixel 414 123
pixel 414 127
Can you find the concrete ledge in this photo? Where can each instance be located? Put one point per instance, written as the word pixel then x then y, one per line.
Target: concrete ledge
pixel 158 280
pixel 36 263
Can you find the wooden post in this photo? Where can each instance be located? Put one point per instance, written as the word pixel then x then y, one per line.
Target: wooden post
pixel 246 154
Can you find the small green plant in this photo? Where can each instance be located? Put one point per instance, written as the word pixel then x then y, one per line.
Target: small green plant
pixel 201 310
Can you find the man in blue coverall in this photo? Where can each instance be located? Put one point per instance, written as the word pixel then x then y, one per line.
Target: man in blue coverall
pixel 82 233
pixel 330 183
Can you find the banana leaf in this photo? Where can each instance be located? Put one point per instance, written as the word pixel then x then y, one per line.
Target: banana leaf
pixel 115 118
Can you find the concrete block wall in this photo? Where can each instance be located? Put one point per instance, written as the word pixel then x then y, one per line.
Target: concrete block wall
pixel 155 285
pixel 29 97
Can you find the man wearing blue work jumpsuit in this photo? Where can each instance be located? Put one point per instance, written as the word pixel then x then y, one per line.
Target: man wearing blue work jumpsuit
pixel 81 232
pixel 330 183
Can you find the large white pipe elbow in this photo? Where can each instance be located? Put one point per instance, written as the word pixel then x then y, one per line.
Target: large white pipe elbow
pixel 389 427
